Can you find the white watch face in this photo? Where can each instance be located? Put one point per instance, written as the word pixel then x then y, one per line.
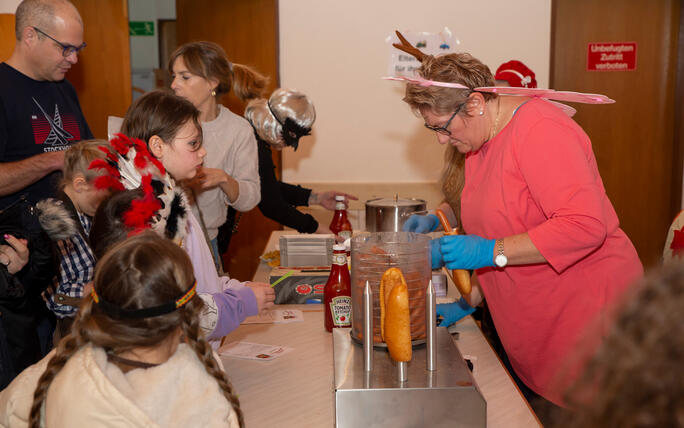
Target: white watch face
pixel 501 260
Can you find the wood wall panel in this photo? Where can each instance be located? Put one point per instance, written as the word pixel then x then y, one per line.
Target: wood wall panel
pixel 103 75
pixel 678 170
pixel 634 138
pixel 7 38
pixel 248 31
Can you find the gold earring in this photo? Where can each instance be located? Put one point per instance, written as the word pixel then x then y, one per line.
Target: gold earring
pixel 213 93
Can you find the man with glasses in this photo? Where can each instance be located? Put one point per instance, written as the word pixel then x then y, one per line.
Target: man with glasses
pixel 40 115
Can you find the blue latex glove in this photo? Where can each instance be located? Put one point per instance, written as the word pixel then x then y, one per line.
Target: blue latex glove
pixel 421 223
pixel 467 251
pixel 452 312
pixel 435 254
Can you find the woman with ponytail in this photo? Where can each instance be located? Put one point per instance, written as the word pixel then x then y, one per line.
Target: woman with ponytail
pixel 135 355
pixel 202 74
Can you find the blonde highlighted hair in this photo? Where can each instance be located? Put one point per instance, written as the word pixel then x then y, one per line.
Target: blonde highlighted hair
pixel 78 157
pixel 209 61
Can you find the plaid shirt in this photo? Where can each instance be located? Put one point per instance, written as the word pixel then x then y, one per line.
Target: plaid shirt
pixel 76 269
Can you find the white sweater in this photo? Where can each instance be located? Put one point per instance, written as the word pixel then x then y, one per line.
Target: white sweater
pixel 90 391
pixel 231 146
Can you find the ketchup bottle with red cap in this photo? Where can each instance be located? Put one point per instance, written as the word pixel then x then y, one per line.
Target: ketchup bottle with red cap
pixel 337 292
pixel 340 224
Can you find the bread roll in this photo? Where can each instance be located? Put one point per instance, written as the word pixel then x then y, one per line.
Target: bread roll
pixel 461 277
pixel 391 278
pixel 398 323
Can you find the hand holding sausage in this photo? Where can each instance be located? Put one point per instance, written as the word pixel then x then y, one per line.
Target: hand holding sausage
pixel 467 251
pixel 461 277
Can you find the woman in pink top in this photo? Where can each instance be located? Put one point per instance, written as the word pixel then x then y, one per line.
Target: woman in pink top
pixel 542 235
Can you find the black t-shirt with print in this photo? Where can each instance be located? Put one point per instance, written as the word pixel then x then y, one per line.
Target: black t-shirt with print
pixel 37 117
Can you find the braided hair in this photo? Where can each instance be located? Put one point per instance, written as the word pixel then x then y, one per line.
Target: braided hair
pixel 141 272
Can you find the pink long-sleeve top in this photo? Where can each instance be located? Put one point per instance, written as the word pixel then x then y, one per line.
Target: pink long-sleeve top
pixel 539 175
pixel 234 301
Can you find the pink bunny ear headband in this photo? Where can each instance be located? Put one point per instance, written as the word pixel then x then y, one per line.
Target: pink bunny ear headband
pixel 549 94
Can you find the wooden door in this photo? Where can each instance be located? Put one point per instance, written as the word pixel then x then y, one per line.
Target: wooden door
pixel 102 77
pixel 634 139
pixel 248 31
pixel 7 37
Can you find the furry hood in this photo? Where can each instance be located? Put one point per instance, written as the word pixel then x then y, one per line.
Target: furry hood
pixel 55 220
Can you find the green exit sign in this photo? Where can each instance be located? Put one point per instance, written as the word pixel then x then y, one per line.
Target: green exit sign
pixel 141 28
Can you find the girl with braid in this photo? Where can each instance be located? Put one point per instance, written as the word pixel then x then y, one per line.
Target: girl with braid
pixel 135 355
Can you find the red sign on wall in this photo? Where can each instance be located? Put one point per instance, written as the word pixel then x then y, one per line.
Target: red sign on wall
pixel 611 56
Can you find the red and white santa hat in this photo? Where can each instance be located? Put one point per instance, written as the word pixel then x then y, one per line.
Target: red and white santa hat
pixel 517 74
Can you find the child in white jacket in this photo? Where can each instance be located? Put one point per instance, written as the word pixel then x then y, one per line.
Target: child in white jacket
pixel 135 356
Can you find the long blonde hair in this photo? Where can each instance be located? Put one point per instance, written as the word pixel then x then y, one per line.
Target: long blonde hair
pixel 453 180
pixel 141 272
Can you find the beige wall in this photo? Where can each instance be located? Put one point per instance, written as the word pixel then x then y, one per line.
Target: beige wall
pixel 9 6
pixel 335 52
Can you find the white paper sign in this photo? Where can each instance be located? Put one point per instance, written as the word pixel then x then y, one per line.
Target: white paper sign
pixel 276 316
pixel 253 351
pixel 403 64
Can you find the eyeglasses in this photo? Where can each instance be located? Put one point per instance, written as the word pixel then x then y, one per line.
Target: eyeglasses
pixel 66 48
pixel 444 130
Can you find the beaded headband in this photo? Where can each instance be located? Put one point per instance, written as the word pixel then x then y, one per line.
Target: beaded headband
pixel 117 312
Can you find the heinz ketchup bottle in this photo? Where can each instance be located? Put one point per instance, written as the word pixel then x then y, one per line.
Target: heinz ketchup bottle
pixel 337 292
pixel 340 224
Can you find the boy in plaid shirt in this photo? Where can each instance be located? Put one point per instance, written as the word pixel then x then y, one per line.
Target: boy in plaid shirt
pixel 76 261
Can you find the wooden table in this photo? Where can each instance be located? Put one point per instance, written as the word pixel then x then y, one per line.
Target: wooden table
pixel 296 389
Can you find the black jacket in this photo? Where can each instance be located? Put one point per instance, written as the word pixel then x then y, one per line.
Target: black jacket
pixel 279 200
pixel 21 304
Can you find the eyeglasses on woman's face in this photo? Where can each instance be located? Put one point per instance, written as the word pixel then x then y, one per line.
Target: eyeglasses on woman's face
pixel 67 49
pixel 444 130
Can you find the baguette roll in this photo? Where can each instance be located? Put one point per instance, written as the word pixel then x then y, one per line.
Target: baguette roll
pixel 398 324
pixel 391 278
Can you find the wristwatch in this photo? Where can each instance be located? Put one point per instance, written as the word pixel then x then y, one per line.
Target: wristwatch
pixel 500 260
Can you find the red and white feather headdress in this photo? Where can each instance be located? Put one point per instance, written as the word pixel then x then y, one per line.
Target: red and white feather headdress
pixel 130 165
